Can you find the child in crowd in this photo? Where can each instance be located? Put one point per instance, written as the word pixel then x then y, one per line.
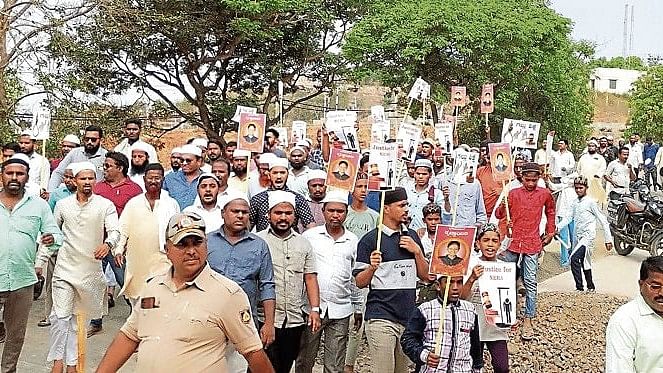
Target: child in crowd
pixel 460 342
pixel 584 213
pixel 488 242
pixel 432 217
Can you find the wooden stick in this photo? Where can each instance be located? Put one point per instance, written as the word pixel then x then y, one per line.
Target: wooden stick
pixel 42 178
pixel 506 205
pixel 81 337
pixel 407 111
pixel 443 311
pixel 380 220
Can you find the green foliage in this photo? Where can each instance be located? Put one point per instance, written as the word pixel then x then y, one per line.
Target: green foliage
pixel 216 54
pixel 646 103
pixel 14 90
pixel 630 63
pixel 523 47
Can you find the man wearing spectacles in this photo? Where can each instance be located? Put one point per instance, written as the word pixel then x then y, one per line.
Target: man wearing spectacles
pixel 633 336
pixel 181 185
pixel 91 151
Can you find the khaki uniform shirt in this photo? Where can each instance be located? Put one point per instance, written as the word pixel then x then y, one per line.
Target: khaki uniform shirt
pixel 187 329
pixel 292 257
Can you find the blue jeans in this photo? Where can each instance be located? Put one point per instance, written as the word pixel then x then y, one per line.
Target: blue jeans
pixel 565 236
pixel 527 267
pixel 119 277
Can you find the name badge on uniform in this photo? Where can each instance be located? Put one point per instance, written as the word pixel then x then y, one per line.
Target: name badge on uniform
pixel 149 303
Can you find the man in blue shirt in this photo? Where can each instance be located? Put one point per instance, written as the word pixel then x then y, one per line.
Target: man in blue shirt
pixel 182 184
pixel 244 258
pixel 23 217
pixel 649 153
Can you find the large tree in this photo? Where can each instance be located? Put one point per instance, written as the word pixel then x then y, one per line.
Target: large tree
pixel 646 104
pixel 522 46
pixel 214 54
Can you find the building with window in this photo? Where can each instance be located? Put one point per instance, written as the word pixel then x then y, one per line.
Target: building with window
pixel 611 80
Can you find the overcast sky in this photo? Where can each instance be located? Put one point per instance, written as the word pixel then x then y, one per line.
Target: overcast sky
pixel 602 22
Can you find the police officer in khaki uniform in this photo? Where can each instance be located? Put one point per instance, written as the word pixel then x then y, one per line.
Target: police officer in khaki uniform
pixel 187 316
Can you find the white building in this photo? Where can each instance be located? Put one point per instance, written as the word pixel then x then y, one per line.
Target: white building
pixel 611 80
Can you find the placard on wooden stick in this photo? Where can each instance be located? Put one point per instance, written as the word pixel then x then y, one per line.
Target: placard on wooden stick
pixel 251 132
pixel 500 161
pixel 520 133
pixel 382 162
pixel 487 101
pixel 452 250
pixel 343 168
pixel 497 287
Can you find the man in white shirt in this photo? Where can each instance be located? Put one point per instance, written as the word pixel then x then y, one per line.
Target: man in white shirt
pixel 619 175
pixel 335 250
pixel 132 130
pixel 239 180
pixel 422 192
pixel 541 157
pixel 635 158
pixel 592 166
pixel 563 162
pixel 140 158
pixel 206 205
pixel 40 168
pixel 633 335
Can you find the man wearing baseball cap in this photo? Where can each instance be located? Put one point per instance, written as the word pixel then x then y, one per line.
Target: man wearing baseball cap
pixel 198 304
pixel 525 205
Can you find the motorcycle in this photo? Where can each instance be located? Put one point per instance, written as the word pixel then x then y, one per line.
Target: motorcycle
pixel 636 221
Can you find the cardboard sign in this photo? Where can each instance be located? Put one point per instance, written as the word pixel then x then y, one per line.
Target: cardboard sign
pixel 487 103
pixel 549 145
pixel 380 131
pixel 41 123
pixel 408 137
pixel 341 127
pixel 382 166
pixel 420 90
pixel 458 96
pixel 298 130
pixel 497 287
pixel 452 250
pixel 343 167
pixel 377 113
pixel 251 132
pixel 520 134
pixel 243 109
pixel 444 134
pixel 283 136
pixel 465 164
pixel 500 161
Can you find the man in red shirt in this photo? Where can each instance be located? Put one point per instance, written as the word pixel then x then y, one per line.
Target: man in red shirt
pixel 119 189
pixel 525 205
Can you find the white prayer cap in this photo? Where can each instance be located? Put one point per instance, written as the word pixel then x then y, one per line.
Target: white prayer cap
pixel 27 132
pixel 207 175
pixel 176 150
pixel 317 174
pixel 200 142
pixel 231 196
pixel 610 138
pixel 339 196
pixel 592 142
pixel 239 153
pixel 77 167
pixel 141 147
pixel 303 144
pixel 423 163
pixel 278 162
pixel 429 141
pixel 280 196
pixel 266 158
pixel 72 139
pixel 297 148
pixel 191 149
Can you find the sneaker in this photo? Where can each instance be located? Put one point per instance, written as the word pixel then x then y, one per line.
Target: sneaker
pixel 527 332
pixel 43 323
pixel 94 329
pixel 591 290
pixel 580 290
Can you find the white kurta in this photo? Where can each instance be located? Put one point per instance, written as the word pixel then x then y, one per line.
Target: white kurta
pixel 585 214
pixel 142 231
pixel 78 280
pixel 591 166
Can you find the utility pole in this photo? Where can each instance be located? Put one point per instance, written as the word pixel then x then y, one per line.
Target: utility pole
pixel 625 36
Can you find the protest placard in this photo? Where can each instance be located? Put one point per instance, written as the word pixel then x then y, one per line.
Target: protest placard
pixel 343 167
pixel 41 123
pixel 243 109
pixel 465 164
pixel 444 134
pixel 420 90
pixel 487 103
pixel 341 127
pixel 251 132
pixel 283 136
pixel 408 137
pixel 298 130
pixel 380 131
pixel 382 162
pixel 377 113
pixel 549 145
pixel 500 161
pixel 520 133
pixel 458 96
pixel 452 250
pixel 497 287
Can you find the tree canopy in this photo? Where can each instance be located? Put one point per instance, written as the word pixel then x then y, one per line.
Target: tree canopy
pixel 646 104
pixel 630 63
pixel 523 47
pixel 215 54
